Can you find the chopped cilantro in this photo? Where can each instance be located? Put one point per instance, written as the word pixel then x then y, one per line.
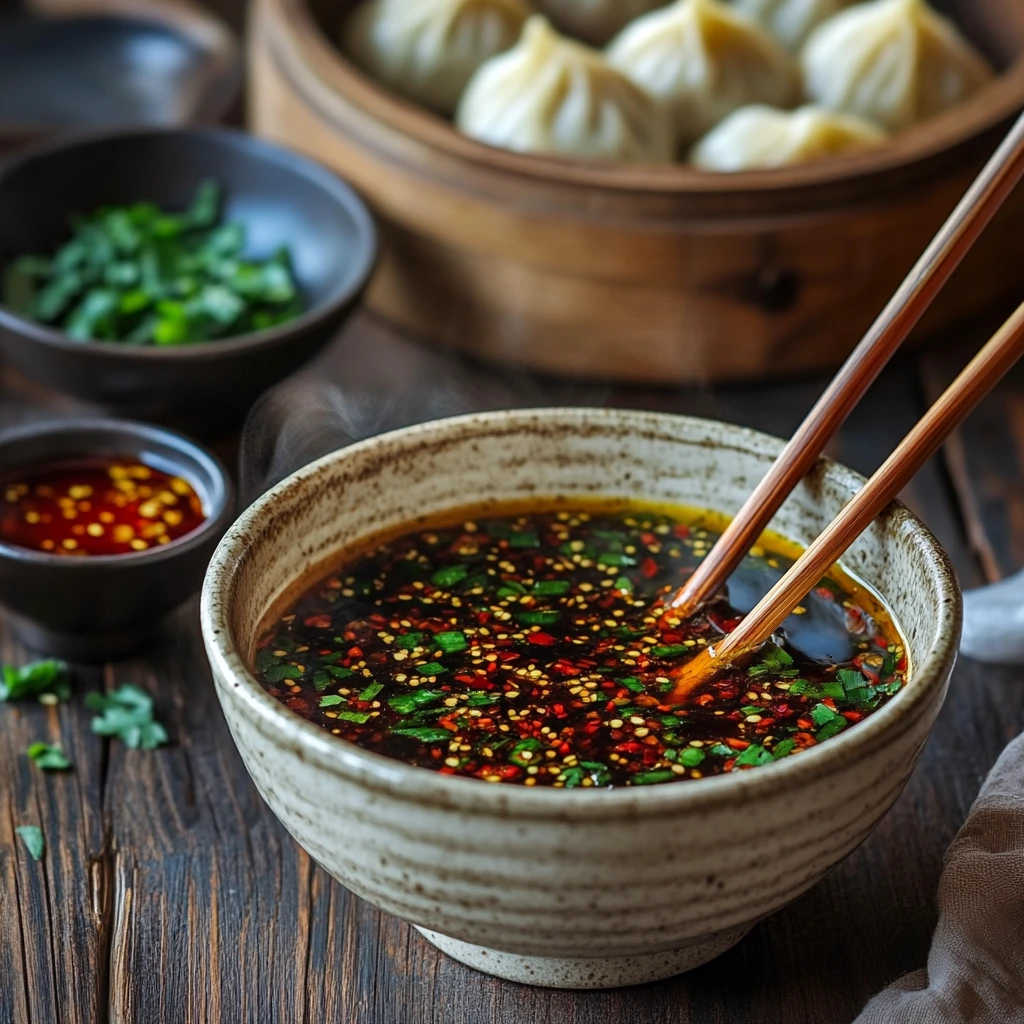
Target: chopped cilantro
pixel 652 778
pixel 424 735
pixel 753 755
pixel 550 588
pixel 669 650
pixel 449 575
pixel 431 668
pixel 822 713
pixel 127 713
pixel 34 840
pixel 48 758
pixel 359 717
pixel 35 679
pixel 451 642
pixel 406 703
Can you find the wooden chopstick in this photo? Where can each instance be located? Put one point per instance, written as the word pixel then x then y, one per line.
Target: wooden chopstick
pixel 977 379
pixel 970 218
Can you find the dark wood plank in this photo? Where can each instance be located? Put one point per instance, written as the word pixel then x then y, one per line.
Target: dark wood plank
pixel 61 904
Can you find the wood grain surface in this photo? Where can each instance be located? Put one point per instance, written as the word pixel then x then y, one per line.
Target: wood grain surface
pixel 169 892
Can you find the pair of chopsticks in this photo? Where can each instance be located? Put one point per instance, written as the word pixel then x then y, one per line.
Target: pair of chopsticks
pixel 963 228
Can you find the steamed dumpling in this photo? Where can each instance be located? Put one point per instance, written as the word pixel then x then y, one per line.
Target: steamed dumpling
pixel 596 21
pixel 552 95
pixel 895 62
pixel 427 50
pixel 703 61
pixel 758 137
pixel 789 21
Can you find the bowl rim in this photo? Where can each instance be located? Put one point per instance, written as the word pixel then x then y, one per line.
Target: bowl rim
pixel 352 764
pixel 221 498
pixel 364 256
pixel 222 73
pixel 995 103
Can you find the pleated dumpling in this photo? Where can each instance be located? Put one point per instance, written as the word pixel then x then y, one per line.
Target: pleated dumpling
pixel 758 138
pixel 596 21
pixel 895 62
pixel 552 95
pixel 703 61
pixel 427 50
pixel 790 21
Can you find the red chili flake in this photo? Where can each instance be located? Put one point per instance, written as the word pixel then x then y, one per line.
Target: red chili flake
pixel 829 703
pixel 681 530
pixel 649 568
pixel 805 723
pixel 852 716
pixel 355 652
pixel 737 744
pixel 901 665
pixel 566 668
pixel 705 699
pixel 541 639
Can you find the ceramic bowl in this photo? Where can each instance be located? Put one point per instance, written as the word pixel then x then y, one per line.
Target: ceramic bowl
pixel 568 888
pixel 107 606
pixel 281 198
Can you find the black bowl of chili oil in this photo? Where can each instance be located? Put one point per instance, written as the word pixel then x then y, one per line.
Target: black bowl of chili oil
pixel 174 274
pixel 106 526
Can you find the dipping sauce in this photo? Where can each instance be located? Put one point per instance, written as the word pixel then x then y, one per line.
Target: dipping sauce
pixel 526 648
pixel 102 506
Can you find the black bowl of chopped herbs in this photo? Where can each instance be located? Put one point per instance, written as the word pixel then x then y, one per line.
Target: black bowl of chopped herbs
pixel 175 273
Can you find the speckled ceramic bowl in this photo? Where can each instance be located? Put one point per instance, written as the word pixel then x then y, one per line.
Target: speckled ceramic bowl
pixel 552 887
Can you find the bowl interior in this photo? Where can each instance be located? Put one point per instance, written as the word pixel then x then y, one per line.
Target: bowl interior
pixel 282 199
pixel 107 69
pixel 300 529
pixel 163 449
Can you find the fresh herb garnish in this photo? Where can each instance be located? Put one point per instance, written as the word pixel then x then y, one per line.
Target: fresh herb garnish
pixel 48 758
pixel 406 703
pixel 34 840
pixel 424 735
pixel 127 713
pixel 141 276
pixel 451 642
pixel 36 679
pixel 359 717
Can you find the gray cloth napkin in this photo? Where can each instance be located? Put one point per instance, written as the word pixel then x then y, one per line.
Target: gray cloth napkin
pixel 975 972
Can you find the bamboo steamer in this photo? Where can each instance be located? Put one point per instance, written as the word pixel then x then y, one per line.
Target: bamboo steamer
pixel 644 274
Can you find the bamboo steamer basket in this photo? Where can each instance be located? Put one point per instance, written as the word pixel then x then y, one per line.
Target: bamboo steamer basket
pixel 640 273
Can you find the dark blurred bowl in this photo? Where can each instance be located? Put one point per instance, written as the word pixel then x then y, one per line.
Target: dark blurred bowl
pixel 106 606
pixel 281 198
pixel 87 65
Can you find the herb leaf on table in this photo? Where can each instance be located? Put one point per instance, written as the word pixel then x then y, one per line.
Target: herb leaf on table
pixel 34 840
pixel 36 679
pixel 127 713
pixel 48 758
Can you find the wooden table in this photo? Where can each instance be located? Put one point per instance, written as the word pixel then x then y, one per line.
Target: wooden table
pixel 169 892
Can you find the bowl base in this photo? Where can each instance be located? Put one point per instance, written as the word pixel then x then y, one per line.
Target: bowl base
pixel 586 972
pixel 102 646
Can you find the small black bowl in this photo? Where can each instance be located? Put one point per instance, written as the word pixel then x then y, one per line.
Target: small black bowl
pixel 107 606
pixel 281 198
